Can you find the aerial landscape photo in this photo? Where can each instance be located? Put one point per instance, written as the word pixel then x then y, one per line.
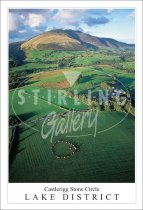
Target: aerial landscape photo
pixel 71 95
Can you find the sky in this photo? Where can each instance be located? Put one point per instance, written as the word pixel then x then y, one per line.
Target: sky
pixel 118 24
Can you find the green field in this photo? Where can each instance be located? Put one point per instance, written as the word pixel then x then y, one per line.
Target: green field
pixel 49 59
pixel 107 157
pixel 55 99
pixel 29 111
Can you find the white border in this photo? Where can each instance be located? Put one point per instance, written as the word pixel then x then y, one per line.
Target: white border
pixel 4 111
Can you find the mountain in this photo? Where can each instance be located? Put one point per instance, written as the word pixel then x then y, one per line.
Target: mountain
pixel 71 40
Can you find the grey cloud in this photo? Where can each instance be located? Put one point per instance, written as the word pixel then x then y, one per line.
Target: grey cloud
pixel 90 21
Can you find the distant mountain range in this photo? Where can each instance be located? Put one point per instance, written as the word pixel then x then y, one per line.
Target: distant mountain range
pixel 59 39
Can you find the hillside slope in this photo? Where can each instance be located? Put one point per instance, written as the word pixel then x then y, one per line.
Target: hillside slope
pixel 70 40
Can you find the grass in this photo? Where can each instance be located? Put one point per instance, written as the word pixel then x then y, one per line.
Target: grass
pixel 48 59
pixel 90 81
pixel 29 67
pixel 28 110
pixel 55 98
pixel 128 81
pixel 108 157
pixel 63 149
pixel 95 59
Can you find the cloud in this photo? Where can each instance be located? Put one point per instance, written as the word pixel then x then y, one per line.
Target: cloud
pixel 68 16
pixel 22 31
pixel 25 23
pixel 90 21
pixel 76 17
pixel 109 11
pixel 13 22
pixel 22 17
pixel 132 14
pixel 16 21
pixel 50 28
pixel 100 12
pixel 26 12
pixel 15 35
pixel 35 20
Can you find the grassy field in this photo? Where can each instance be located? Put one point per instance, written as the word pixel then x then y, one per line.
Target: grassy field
pixel 48 59
pixel 28 111
pixel 108 157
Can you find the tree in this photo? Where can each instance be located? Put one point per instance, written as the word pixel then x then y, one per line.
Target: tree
pixel 14 62
pixel 14 81
pixel 123 58
pixel 107 107
pixel 94 105
pixel 61 64
pixel 105 86
pixel 127 106
pixel 117 107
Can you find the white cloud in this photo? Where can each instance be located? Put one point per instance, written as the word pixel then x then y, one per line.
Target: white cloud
pixel 50 28
pixel 66 16
pixel 22 31
pixel 109 10
pixel 22 17
pixel 132 14
pixel 13 22
pixel 89 29
pixel 35 20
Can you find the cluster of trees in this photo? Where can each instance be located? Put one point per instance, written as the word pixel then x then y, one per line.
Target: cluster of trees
pixel 17 79
pixel 13 120
pixel 126 63
pixel 113 105
pixel 14 81
pixel 105 86
pixel 125 67
pixel 14 62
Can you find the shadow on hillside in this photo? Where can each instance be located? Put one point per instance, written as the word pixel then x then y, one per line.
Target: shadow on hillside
pixel 28 82
pixel 28 128
pixel 26 116
pixel 28 136
pixel 15 52
pixel 15 147
pixel 16 143
pixel 87 78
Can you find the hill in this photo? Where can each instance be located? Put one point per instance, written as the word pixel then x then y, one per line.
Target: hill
pixel 71 40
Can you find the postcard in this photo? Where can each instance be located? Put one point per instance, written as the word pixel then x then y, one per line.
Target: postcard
pixel 71 77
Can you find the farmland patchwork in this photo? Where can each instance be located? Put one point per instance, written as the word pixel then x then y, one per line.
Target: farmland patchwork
pixel 71 112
